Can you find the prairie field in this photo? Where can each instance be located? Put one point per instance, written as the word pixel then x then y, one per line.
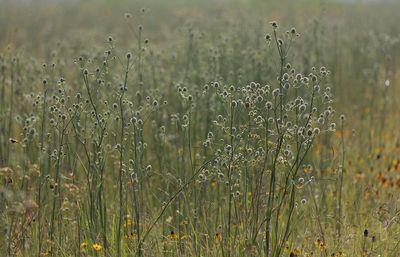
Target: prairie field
pixel 213 128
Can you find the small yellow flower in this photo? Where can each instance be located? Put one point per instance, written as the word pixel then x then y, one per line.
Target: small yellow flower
pixel 172 235
pixel 83 245
pixel 218 237
pixel 184 237
pixel 320 245
pixel 128 220
pixel 214 184
pixel 97 247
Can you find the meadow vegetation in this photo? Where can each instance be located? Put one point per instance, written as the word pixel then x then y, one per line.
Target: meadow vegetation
pixel 199 129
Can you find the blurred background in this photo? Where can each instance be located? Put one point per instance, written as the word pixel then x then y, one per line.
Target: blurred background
pixel 348 36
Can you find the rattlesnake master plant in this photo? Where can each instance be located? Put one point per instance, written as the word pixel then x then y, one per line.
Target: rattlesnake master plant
pixel 260 139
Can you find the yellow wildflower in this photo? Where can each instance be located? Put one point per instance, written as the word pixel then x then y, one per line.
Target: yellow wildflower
pixel 97 247
pixel 128 220
pixel 218 237
pixel 172 235
pixel 84 245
